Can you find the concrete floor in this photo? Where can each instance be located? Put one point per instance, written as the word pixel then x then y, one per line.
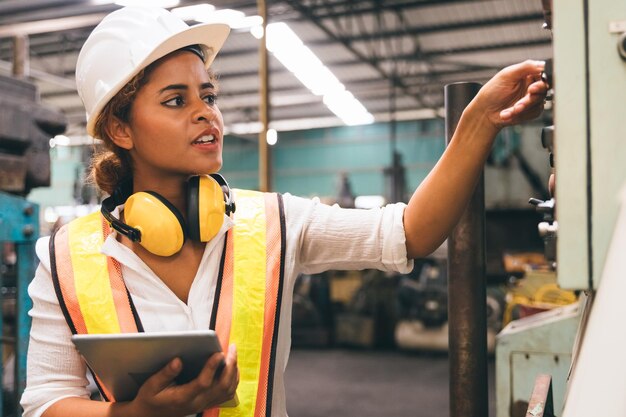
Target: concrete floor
pixel 366 383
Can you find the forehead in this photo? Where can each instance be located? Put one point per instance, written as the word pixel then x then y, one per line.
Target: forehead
pixel 177 67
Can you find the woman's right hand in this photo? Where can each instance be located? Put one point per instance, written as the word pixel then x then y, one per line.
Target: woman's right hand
pixel 160 396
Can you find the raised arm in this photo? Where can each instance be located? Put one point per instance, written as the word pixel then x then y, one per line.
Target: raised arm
pixel 514 95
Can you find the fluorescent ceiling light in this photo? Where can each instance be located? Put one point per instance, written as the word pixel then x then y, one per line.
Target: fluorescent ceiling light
pixel 49 215
pixel 272 136
pixel 228 16
pixel 206 13
pixel 348 108
pixel 307 67
pixel 156 3
pixel 288 125
pixel 60 140
pixel 248 128
pixel 192 12
pixel 257 31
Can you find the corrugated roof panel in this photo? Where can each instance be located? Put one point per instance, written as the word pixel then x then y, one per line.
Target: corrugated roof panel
pixel 238 62
pixel 504 57
pixel 484 36
pixel 356 71
pixel 306 30
pixel 330 53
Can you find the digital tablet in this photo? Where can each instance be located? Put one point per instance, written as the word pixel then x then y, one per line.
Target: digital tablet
pixel 123 361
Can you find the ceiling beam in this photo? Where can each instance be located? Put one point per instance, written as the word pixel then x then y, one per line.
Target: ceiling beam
pixel 8 7
pixel 50 25
pixel 68 84
pixel 350 7
pixel 463 68
pixel 433 53
pixel 43 48
pixel 439 28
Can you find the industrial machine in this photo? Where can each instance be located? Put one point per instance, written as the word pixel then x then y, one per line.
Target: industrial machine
pixel 19 230
pixel 585 145
pixel 26 127
pixel 25 130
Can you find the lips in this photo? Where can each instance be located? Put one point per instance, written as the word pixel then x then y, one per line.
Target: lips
pixel 205 139
pixel 209 136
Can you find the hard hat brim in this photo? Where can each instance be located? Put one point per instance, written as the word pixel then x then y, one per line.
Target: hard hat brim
pixel 210 37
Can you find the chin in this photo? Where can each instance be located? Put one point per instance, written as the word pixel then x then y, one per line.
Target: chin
pixel 206 171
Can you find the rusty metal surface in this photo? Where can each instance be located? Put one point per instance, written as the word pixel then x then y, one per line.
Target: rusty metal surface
pixel 466 285
pixel 12 173
pixel 540 404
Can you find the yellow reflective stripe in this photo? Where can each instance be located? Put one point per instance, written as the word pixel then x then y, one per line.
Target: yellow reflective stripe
pixel 91 275
pixel 248 297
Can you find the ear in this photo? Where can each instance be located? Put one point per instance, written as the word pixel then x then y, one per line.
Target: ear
pixel 120 133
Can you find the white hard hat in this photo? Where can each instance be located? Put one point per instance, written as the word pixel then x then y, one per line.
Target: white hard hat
pixel 130 39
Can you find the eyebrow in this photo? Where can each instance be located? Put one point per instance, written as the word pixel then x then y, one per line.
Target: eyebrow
pixel 203 86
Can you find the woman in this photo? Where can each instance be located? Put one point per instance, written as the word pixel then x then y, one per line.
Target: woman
pixel 143 77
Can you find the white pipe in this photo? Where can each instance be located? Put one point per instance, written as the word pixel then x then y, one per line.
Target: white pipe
pixel 68 83
pixel 50 25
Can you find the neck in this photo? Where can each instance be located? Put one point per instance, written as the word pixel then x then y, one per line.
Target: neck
pixel 172 188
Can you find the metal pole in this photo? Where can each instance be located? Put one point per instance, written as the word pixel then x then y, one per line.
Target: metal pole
pixel 20 56
pixel 467 315
pixel 264 157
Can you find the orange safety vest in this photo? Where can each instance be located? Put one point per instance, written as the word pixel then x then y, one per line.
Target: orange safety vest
pixel 94 298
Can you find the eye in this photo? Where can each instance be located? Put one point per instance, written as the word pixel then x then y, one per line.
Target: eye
pixel 210 98
pixel 174 102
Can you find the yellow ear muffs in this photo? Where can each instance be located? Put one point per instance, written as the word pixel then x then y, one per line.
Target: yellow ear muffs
pixel 160 223
pixel 205 208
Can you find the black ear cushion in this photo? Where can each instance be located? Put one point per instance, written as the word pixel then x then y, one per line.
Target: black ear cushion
pixel 193 208
pixel 172 208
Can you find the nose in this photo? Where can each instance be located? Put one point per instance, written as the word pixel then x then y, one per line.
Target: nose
pixel 202 111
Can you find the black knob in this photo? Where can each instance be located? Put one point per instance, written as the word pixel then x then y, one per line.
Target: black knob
pixel 547 137
pixel 547 73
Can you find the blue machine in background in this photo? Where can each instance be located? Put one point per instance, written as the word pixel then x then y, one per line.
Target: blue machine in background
pixel 19 230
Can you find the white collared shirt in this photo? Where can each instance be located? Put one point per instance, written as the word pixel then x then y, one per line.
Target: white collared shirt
pixel 318 238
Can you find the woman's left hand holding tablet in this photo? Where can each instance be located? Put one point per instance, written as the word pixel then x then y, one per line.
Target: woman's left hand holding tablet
pixel 160 396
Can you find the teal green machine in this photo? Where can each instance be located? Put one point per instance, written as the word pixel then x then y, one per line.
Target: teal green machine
pixel 19 230
pixel 26 127
pixel 589 83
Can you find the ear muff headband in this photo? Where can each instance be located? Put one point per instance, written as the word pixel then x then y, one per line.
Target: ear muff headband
pixel 228 195
pixel 193 201
pixel 121 193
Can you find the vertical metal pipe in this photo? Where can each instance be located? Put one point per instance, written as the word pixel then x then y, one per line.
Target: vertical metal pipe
pixel 20 56
pixel 264 157
pixel 467 315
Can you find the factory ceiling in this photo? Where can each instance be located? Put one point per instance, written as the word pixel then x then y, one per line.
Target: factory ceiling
pixel 394 56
